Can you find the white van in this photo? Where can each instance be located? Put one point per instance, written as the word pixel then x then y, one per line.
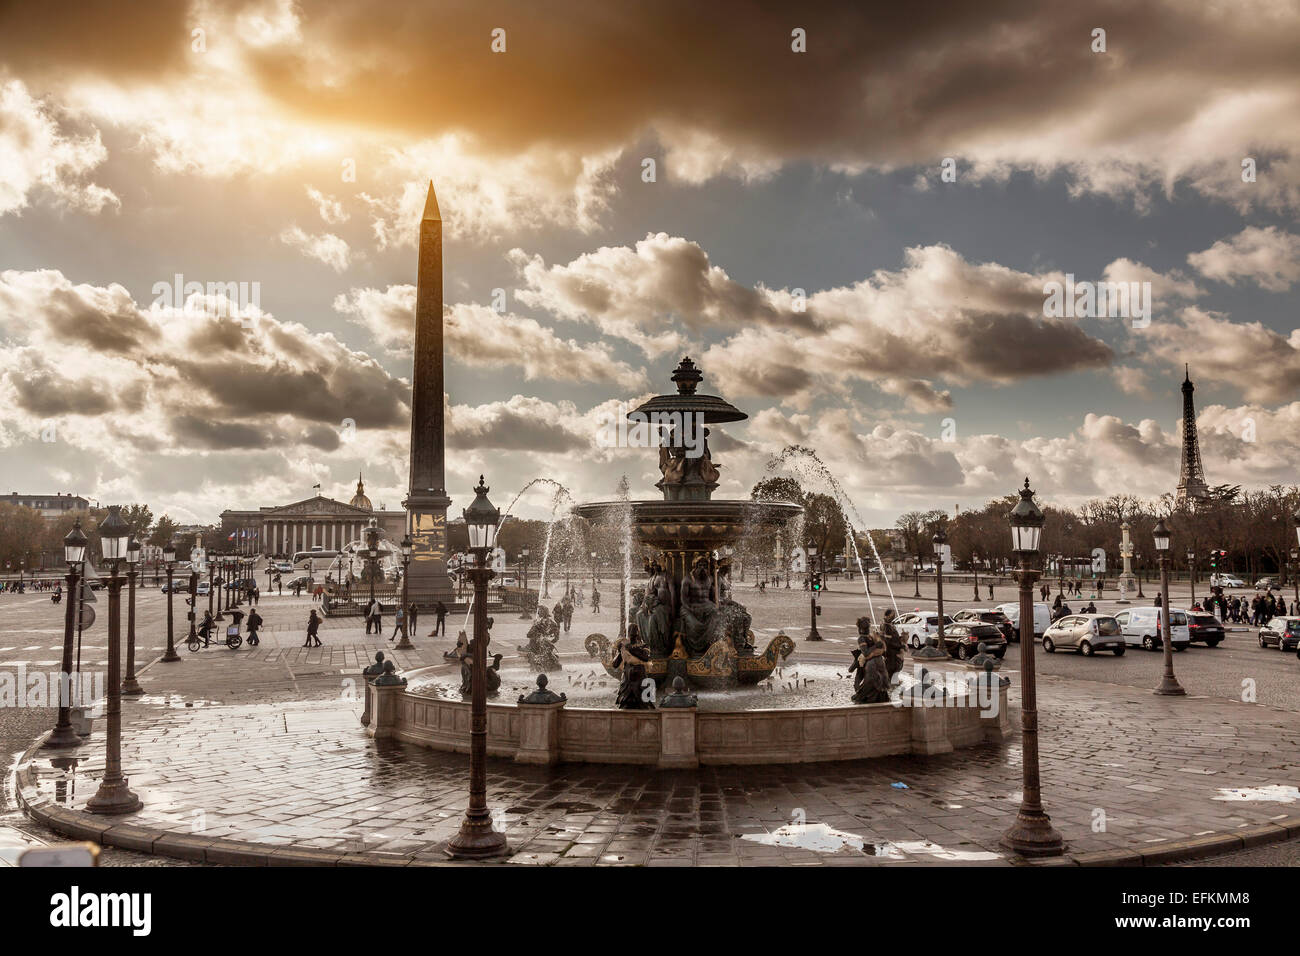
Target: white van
pixel 1042 616
pixel 1141 627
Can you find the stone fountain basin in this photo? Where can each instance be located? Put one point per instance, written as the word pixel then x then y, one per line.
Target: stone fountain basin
pixel 694 525
pixel 810 723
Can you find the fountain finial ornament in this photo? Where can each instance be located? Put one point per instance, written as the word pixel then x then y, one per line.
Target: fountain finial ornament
pixel 542 695
pixel 686 376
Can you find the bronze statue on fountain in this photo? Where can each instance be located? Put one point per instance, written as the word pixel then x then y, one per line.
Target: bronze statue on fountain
pixel 690 627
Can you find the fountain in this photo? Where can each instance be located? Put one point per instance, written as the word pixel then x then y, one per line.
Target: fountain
pixel 708 695
pixel 704 637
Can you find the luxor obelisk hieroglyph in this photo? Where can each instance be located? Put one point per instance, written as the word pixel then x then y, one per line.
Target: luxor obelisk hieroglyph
pixel 426 502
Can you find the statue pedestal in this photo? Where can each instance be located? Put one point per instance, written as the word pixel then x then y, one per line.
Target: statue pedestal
pixel 382 703
pixel 1127 587
pixel 929 734
pixel 677 738
pixel 539 733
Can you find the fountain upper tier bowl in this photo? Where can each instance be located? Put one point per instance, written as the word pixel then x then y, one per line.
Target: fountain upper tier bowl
pixel 694 526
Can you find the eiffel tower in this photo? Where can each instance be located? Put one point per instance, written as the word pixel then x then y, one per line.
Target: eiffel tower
pixel 1192 488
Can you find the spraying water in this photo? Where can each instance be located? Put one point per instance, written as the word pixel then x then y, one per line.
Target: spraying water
pixel 805 461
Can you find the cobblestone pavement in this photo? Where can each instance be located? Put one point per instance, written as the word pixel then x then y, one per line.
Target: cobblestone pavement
pixel 260 744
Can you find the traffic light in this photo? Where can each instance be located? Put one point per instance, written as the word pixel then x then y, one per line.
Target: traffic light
pixel 816 580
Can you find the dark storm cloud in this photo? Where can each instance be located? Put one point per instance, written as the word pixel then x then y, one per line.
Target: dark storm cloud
pixel 881 82
pixel 194 432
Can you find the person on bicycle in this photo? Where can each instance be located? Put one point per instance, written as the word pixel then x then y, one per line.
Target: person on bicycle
pixel 205 629
pixel 254 622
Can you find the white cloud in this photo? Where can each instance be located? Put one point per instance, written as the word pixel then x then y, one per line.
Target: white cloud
pixel 324 247
pixel 1268 256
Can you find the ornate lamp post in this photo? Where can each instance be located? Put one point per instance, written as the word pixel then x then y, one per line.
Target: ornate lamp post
pixel 1060 576
pixel 1032 833
pixel 811 553
pixel 1295 573
pixel 74 553
pixel 113 795
pixel 372 553
pixel 212 583
pixel 916 574
pixel 476 839
pixel 975 569
pixel 525 564
pixel 1168 686
pixel 169 558
pixel 935 647
pixel 1295 520
pixel 405 643
pixel 593 570
pixel 1191 572
pixel 130 686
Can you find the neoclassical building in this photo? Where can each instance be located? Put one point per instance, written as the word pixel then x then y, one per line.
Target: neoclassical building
pixel 316 522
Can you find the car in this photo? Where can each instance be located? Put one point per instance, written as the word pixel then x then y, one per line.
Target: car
pixel 240 584
pixel 203 588
pixel 1142 628
pixel 1086 633
pixel 284 567
pixel 1282 633
pixel 301 580
pixel 507 582
pixel 962 639
pixel 1042 616
pixel 988 615
pixel 1205 628
pixel 916 627
pixel 1265 584
pixel 1226 581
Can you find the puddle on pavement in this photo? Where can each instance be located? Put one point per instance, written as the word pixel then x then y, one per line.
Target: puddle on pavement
pixel 821 838
pixel 1274 793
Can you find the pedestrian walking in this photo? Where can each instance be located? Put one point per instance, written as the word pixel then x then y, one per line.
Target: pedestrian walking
pixel 399 616
pixel 440 620
pixel 990 592
pixel 257 594
pixel 595 601
pixel 254 623
pixel 313 626
pixel 412 618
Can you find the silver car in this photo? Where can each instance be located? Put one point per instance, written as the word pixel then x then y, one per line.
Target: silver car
pixel 1086 633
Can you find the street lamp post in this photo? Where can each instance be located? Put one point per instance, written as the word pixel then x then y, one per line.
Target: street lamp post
pixel 477 839
pixel 811 553
pixel 1295 520
pixel 1295 574
pixel 1060 576
pixel 1168 686
pixel 372 553
pixel 130 686
pixel 525 565
pixel 916 574
pixel 593 570
pixel 1032 833
pixel 1191 573
pixel 936 647
pixel 212 584
pixel 405 643
pixel 74 553
pixel 169 558
pixel 113 795
pixel 975 570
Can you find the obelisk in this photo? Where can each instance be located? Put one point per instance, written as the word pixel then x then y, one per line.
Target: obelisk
pixel 426 501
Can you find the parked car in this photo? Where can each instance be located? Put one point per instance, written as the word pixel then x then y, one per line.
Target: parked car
pixel 1086 633
pixel 1142 627
pixel 916 627
pixel 962 639
pixel 1205 628
pixel 988 615
pixel 284 567
pixel 1226 581
pixel 1042 616
pixel 1282 633
pixel 507 582
pixel 203 588
pixel 301 580
pixel 240 584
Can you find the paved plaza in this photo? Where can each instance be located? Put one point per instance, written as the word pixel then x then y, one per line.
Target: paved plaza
pixel 258 755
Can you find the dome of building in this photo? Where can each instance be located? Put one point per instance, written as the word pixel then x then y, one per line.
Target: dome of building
pixel 359 500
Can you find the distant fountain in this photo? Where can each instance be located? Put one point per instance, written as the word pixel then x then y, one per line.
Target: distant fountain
pixel 684 540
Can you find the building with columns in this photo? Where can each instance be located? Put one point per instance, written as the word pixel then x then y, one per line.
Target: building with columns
pixel 316 522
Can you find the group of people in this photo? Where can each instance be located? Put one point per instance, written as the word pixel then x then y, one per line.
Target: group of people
pixel 22 587
pixel 1072 588
pixel 1256 611
pixel 236 617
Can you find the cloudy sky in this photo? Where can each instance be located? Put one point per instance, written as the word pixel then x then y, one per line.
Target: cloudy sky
pixel 624 184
